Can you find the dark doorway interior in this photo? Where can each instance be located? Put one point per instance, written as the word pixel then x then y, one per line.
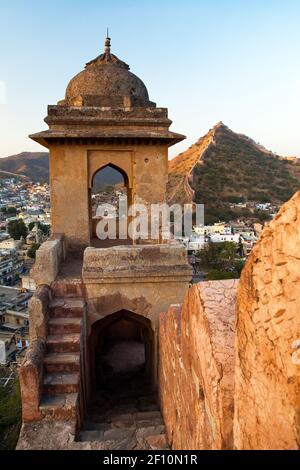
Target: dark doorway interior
pixel 123 408
pixel 122 358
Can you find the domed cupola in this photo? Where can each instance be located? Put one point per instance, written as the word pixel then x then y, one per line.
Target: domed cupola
pixel 107 82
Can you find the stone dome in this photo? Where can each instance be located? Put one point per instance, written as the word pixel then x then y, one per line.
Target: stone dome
pixel 106 81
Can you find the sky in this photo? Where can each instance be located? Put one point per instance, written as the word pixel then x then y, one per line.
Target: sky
pixel 236 61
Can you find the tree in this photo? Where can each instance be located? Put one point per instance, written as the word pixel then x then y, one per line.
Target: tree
pixel 31 253
pixel 17 229
pixel 10 412
pixel 220 260
pixel 9 211
pixel 217 275
pixel 44 228
pixel 218 255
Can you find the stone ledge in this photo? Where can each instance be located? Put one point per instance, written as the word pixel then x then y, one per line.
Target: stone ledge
pixel 156 263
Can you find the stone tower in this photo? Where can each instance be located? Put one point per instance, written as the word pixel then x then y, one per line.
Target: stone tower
pixel 106 119
pixel 90 298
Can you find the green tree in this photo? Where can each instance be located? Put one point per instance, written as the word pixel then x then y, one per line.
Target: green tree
pixel 44 228
pixel 10 413
pixel 218 255
pixel 31 253
pixel 217 275
pixel 17 229
pixel 221 260
pixel 9 211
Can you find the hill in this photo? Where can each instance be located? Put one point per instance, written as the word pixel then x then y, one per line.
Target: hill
pixel 7 175
pixel 224 168
pixel 34 165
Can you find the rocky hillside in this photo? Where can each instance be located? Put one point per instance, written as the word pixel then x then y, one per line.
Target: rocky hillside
pixel 224 168
pixel 7 174
pixel 34 165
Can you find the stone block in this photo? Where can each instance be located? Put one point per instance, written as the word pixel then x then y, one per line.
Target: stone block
pixel 48 259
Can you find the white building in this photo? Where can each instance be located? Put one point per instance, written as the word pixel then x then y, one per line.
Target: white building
pixel 263 206
pixel 224 237
pixel 10 244
pixel 219 227
pixel 8 347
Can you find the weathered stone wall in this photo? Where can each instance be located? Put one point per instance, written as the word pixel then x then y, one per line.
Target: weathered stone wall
pixel 144 280
pixel 267 377
pixel 196 370
pixel 31 381
pixel 48 259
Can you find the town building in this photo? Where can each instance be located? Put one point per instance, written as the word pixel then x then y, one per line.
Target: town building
pixel 11 268
pixel 224 237
pixel 14 322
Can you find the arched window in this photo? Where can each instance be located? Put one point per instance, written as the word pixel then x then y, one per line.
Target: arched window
pixel 109 187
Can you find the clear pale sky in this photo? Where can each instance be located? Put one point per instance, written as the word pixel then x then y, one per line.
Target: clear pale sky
pixel 236 61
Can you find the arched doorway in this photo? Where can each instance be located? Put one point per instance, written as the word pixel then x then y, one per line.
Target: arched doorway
pixel 122 355
pixel 123 404
pixel 109 190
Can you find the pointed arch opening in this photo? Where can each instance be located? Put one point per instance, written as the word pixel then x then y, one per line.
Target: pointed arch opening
pixel 109 188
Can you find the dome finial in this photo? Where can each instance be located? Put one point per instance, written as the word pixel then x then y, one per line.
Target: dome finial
pixel 107 43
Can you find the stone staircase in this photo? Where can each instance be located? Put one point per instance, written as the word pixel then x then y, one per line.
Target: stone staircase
pixel 129 419
pixel 62 359
pixel 132 424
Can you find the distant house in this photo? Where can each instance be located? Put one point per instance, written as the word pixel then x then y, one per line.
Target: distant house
pixel 263 206
pixel 8 347
pixel 224 237
pixel 196 242
pixel 219 227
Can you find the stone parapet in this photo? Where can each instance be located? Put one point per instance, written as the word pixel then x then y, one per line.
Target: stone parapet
pixel 267 375
pixel 196 367
pixel 31 381
pixel 38 313
pixel 120 264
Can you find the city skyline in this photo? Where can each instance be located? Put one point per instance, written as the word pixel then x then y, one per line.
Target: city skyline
pixel 205 62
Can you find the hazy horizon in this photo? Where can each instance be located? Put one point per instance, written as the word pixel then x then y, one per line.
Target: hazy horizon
pixel 227 61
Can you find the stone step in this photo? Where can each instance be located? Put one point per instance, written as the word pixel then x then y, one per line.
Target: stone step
pixel 137 420
pixel 94 426
pixel 148 415
pixel 63 343
pixel 67 308
pixel 61 407
pixel 67 288
pixel 62 325
pixel 62 362
pixel 150 431
pixel 55 384
pixel 109 435
pixel 157 442
pixel 124 409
